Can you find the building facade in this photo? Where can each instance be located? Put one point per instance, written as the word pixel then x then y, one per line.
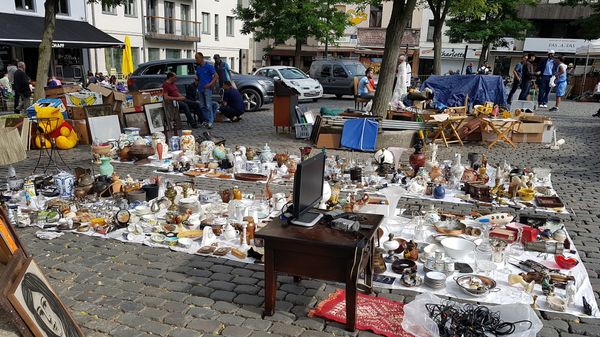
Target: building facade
pixel 160 29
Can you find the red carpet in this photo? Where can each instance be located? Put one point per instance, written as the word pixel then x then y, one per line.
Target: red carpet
pixel 380 315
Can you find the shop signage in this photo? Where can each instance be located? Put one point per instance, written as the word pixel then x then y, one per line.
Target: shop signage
pixel 375 37
pixel 451 53
pixel 58 45
pixel 558 45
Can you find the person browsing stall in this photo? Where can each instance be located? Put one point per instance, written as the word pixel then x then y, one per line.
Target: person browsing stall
pixel 546 68
pixel 207 77
pixel 171 93
pixel 233 103
pixel 366 85
pixel 517 77
pixel 561 81
pixel 222 69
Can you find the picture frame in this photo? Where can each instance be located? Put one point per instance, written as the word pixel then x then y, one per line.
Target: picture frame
pixel 104 128
pixel 155 113
pixel 137 120
pixel 98 110
pixel 10 244
pixel 8 274
pixel 38 304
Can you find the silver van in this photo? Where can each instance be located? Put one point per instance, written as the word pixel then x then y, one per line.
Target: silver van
pixel 337 75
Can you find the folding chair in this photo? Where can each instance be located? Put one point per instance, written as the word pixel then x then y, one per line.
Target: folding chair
pixel 446 128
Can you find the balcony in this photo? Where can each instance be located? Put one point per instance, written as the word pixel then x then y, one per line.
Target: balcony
pixel 161 28
pixel 375 37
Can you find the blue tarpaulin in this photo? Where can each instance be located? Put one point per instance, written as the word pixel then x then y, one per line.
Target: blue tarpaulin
pixel 360 134
pixel 452 90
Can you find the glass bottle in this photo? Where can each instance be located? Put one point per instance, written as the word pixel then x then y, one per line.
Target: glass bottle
pixel 485 226
pixel 516 249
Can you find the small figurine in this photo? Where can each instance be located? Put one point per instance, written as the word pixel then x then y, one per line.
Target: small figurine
pixel 571 291
pixel 534 305
pixel 411 252
pixel 547 286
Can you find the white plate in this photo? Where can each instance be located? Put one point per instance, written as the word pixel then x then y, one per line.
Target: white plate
pixel 155 156
pixel 436 276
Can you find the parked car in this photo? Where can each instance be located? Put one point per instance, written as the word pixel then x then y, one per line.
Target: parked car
pixel 293 77
pixel 337 75
pixel 255 90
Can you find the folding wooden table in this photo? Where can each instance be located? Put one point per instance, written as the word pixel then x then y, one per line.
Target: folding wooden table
pixel 501 127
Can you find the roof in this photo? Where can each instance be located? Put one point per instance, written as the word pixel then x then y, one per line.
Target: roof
pixel 277 67
pixel 26 31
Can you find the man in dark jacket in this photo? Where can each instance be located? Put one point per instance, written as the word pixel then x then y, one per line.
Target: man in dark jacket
pixel 545 69
pixel 233 103
pixel 517 77
pixel 22 89
pixel 528 77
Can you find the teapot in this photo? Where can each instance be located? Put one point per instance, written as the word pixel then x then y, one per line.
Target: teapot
pixel 230 233
pixel 266 155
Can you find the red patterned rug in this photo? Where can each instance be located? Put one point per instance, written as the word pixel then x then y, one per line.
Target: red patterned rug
pixel 380 315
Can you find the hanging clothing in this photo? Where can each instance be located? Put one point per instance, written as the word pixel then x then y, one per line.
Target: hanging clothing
pixel 401 83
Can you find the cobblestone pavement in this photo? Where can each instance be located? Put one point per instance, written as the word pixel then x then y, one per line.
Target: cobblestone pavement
pixel 116 289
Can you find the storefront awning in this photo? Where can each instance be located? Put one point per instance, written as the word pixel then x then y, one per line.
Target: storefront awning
pixel 26 31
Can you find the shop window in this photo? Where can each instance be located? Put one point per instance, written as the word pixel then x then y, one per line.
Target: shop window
pixel 107 8
pixel 63 7
pixel 113 58
pixel 375 16
pixel 153 54
pixel 135 56
pixel 130 8
pixel 230 24
pixel 232 63
pixel 173 53
pixel 205 23
pixel 188 54
pixel 430 28
pixel 216 27
pixel 26 5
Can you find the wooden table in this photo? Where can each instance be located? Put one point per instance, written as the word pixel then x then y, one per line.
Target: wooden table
pixel 319 252
pixel 501 127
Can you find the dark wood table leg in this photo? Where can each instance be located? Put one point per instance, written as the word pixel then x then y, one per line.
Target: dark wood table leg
pixel 351 291
pixel 270 281
pixel 369 267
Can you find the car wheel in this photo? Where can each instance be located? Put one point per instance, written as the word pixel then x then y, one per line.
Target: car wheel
pixel 339 96
pixel 252 99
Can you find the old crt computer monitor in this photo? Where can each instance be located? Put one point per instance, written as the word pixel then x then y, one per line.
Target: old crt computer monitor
pixel 308 190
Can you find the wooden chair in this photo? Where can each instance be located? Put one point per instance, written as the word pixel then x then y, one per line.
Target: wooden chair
pixel 447 129
pixel 359 102
pixel 461 110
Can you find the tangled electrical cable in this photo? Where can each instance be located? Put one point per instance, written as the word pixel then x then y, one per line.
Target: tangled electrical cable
pixel 470 320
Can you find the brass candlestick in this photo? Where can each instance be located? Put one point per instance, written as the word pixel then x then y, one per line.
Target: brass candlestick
pixel 171 194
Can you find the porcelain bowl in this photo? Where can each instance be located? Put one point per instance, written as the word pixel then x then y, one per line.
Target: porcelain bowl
pixel 457 247
pixel 157 238
pixel 185 242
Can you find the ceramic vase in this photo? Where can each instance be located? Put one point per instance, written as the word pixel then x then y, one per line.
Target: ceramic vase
pixel 106 168
pixel 66 184
pixel 439 192
pixel 188 142
pixel 417 159
pixel 159 150
pixel 457 170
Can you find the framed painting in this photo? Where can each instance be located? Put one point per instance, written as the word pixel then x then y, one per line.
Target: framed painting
pixel 9 241
pixel 137 120
pixel 155 113
pixel 104 128
pixel 98 110
pixel 8 273
pixel 39 306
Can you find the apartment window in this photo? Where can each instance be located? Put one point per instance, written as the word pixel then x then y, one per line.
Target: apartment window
pixel 169 14
pixel 153 54
pixel 232 63
pixel 113 58
pixel 409 22
pixel 135 56
pixel 151 12
pixel 130 6
pixel 216 27
pixel 375 16
pixel 430 31
pixel 230 26
pixel 63 7
pixel 205 23
pixel 173 53
pixel 108 8
pixel 26 5
pixel 186 28
pixel 188 54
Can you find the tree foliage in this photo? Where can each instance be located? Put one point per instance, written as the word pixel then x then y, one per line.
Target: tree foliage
pixel 45 48
pixel 589 27
pixel 488 21
pixel 281 20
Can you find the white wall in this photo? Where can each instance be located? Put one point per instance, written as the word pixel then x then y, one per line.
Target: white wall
pixel 76 9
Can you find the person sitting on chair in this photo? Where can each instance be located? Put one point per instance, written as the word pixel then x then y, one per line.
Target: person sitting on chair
pixel 366 86
pixel 233 103
pixel 171 93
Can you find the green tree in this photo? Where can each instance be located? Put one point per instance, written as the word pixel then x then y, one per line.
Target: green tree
pixel 401 12
pixel 45 49
pixel 589 27
pixel 281 20
pixel 489 22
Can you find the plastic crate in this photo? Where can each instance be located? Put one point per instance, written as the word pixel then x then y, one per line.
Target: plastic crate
pixel 303 130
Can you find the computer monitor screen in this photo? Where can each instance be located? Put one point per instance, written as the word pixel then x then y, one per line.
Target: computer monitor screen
pixel 308 184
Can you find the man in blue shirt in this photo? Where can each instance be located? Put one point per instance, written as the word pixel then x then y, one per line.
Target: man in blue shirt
pixel 222 69
pixel 233 103
pixel 366 88
pixel 517 76
pixel 546 68
pixel 207 77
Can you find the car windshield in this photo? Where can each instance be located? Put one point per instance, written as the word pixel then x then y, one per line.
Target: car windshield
pixel 355 68
pixel 292 74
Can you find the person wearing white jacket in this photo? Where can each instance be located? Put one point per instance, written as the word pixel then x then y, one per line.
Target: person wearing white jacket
pixel 402 80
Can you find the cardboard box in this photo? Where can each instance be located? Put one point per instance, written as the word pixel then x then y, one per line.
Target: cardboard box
pixel 109 96
pixel 329 140
pixel 85 98
pixel 527 138
pixel 530 127
pixel 54 92
pixel 141 98
pixel 131 109
pixel 535 118
pixel 81 129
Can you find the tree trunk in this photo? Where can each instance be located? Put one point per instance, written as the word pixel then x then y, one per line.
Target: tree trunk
pixel 298 53
pixel 401 11
pixel 45 49
pixel 437 47
pixel 485 46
